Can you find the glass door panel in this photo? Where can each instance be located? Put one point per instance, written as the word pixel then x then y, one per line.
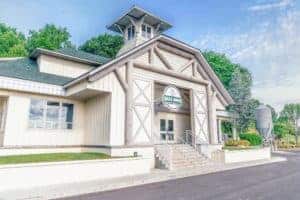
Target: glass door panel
pixel 166 130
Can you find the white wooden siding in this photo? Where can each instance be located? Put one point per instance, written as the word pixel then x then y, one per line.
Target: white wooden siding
pixel 110 83
pixel 174 60
pixel 168 80
pixel 188 71
pixel 57 66
pixel 30 86
pixel 200 116
pixel 143 58
pixel 18 133
pixel 158 63
pixel 97 120
pixel 142 111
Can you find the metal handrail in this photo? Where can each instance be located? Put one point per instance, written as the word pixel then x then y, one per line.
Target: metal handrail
pixel 189 138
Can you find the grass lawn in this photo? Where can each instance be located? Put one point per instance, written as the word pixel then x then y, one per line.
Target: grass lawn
pixel 50 157
pixel 232 148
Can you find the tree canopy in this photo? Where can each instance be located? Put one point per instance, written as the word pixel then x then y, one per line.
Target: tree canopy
pixel 240 90
pixel 238 81
pixel 104 45
pixel 12 43
pixel 282 129
pixel 49 37
pixel 291 113
pixel 222 66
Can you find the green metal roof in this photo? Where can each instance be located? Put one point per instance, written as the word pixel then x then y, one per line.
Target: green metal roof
pixel 27 69
pixel 83 55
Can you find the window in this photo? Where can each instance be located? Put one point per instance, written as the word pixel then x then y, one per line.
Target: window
pixel 162 125
pixel 67 116
pixel 130 32
pixel 171 125
pixel 146 31
pixel 50 114
pixel 36 114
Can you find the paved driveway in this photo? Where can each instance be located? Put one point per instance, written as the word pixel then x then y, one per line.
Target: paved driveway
pixel 278 181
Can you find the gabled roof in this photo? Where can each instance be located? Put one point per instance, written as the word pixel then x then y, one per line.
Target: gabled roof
pixel 138 13
pixel 27 69
pixel 216 83
pixel 72 55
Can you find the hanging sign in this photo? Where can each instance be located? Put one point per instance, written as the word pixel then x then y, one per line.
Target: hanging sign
pixel 172 98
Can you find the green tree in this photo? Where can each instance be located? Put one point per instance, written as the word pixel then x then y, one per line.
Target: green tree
pixel 12 43
pixel 238 81
pixel 104 45
pixel 49 37
pixel 291 114
pixel 282 129
pixel 244 107
pixel 222 66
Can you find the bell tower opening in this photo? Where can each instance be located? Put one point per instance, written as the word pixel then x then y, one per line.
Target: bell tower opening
pixel 137 26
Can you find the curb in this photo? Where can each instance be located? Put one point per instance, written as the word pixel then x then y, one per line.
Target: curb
pixel 74 189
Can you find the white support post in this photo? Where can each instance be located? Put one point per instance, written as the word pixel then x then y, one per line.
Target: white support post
pixel 234 133
pixel 210 114
pixel 220 138
pixel 128 131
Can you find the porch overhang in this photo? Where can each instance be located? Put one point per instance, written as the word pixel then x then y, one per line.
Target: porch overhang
pixel 81 91
pixel 226 115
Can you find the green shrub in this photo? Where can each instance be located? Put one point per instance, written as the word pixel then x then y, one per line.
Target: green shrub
pixel 285 145
pixel 254 139
pixel 244 143
pixel 292 142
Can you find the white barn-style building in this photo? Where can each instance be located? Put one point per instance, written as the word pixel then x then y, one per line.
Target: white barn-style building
pixel 156 94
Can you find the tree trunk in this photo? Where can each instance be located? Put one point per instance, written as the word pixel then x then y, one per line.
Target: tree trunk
pixel 296 136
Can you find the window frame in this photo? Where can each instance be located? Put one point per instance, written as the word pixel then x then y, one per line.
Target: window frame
pixel 44 120
pixel 131 32
pixel 145 33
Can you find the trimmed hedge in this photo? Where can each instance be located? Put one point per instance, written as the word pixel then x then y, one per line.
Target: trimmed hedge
pixel 244 143
pixel 232 143
pixel 237 143
pixel 254 139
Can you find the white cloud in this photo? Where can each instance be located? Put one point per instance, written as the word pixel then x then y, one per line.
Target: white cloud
pixel 272 53
pixel 273 5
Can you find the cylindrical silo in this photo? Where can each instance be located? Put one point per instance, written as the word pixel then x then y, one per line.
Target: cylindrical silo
pixel 264 122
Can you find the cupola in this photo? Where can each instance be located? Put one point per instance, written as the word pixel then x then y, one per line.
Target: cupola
pixel 138 26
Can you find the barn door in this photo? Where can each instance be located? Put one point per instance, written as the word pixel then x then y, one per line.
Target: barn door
pixel 200 116
pixel 142 111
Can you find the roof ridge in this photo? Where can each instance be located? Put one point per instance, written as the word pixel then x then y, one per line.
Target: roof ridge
pixel 72 54
pixel 79 50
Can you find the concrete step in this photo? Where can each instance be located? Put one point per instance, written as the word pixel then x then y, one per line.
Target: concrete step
pixel 183 156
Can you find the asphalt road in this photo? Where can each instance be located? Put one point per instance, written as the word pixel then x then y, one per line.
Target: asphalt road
pixel 278 181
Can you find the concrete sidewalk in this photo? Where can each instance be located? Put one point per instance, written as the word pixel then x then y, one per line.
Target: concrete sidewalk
pixel 57 191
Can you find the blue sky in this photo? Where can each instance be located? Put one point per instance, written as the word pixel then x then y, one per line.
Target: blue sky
pixel 262 35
